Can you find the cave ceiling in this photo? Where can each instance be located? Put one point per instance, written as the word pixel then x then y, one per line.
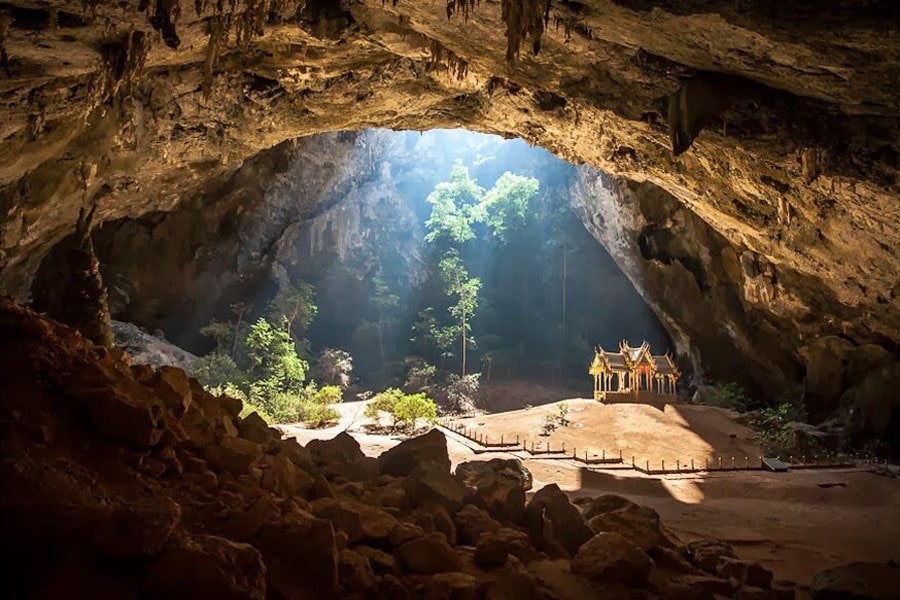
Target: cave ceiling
pixel 135 106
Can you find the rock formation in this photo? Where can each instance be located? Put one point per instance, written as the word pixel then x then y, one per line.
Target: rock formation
pixel 126 481
pixel 768 128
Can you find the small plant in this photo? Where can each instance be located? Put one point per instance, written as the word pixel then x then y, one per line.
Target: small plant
pixel 774 428
pixel 405 410
pixel 562 417
pixel 549 425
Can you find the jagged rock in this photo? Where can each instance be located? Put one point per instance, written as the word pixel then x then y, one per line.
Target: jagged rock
pixel 283 478
pixel 432 517
pixel 173 388
pixel 380 561
pixel 243 524
pixel 747 572
pixel 296 453
pixel 356 574
pixel 498 486
pixel 403 458
pixel 598 505
pixel 512 583
pixel 706 553
pixel 640 524
pixel 611 557
pixel 138 529
pixel 671 561
pixel 359 521
pixel 471 522
pixel 568 528
pixel 428 555
pixel 205 566
pixel 232 454
pixel 321 488
pixel 119 409
pixel 711 585
pixel 404 532
pixel 857 581
pixel 430 482
pixel 339 450
pixel 254 428
pixel 494 547
pixel 301 559
pixel 451 586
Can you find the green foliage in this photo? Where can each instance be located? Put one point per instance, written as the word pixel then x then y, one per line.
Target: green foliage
pixel 274 358
pixel 429 337
pixel 222 333
pixel 335 366
pixel 562 415
pixel 405 409
pixel 295 305
pixel 725 395
pixel 318 415
pixel 329 394
pixel 773 427
pixel 465 290
pixel 215 370
pixel 506 203
pixel 549 424
pixel 419 376
pixel 455 207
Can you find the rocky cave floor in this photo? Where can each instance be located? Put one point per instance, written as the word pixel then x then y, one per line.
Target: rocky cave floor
pixel 125 481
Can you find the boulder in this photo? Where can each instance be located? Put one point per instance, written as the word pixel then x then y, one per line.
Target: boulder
pixel 243 524
pixel 403 458
pixel 451 586
pixel 706 553
pixel 297 454
pixel 710 585
pixel 428 555
pixel 471 522
pixel 205 566
pixel 591 507
pixel 404 532
pixel 640 524
pixel 431 482
pixel 433 517
pixel 494 547
pixel 138 529
pixel 301 559
pixel 120 409
pixel 339 450
pixel 380 561
pixel 254 428
pixel 173 388
pixel 232 454
pixel 282 477
pixel 359 521
pixel 669 560
pixel 858 581
pixel 512 582
pixel 609 557
pixel 355 572
pixel 497 485
pixel 747 572
pixel 569 530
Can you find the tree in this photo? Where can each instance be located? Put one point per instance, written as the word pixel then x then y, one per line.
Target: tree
pixel 429 337
pixel 273 356
pixel 215 370
pixel 335 367
pixel 386 304
pixel 296 304
pixel 506 203
pixel 455 207
pixel 465 289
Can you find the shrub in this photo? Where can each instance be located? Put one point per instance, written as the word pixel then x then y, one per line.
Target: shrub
pixel 420 375
pixel 724 395
pixel 315 414
pixel 215 370
pixel 405 409
pixel 562 416
pixel 549 425
pixel 773 427
pixel 335 366
pixel 328 394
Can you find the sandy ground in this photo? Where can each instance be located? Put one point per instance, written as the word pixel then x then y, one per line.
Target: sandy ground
pixel 795 523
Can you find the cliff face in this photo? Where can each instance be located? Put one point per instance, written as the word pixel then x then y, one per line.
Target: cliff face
pixel 786 202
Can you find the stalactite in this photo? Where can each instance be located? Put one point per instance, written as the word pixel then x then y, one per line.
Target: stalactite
pixel 121 60
pixel 163 20
pixel 524 18
pixel 461 6
pixel 444 59
pixel 5 22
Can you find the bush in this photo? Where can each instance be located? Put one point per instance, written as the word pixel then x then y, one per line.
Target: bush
pixel 549 425
pixel 215 370
pixel 316 415
pixel 773 427
pixel 420 375
pixel 329 394
pixel 405 409
pixel 724 395
pixel 562 416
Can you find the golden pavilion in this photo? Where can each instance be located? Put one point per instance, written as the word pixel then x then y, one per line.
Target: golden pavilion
pixel 632 373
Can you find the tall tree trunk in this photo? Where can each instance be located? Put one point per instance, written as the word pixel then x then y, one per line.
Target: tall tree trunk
pixel 464 343
pixel 565 279
pixel 237 332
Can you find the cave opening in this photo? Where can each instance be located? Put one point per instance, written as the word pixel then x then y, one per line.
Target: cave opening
pixel 344 235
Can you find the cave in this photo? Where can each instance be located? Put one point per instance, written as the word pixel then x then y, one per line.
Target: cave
pixel 298 299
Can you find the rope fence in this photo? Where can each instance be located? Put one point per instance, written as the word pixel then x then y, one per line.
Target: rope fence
pixel 545 448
